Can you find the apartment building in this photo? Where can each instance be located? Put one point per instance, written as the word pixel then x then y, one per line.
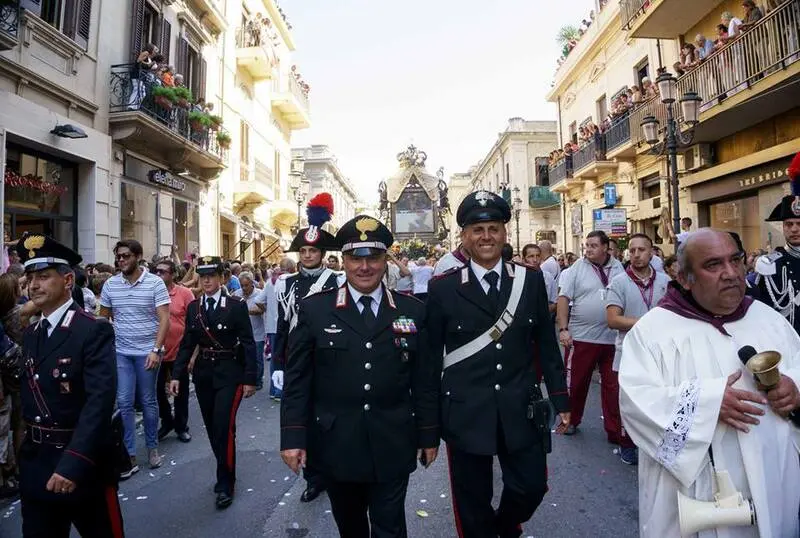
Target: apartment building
pixel 516 168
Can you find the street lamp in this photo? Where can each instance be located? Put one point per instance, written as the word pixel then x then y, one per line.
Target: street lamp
pixel 517 206
pixel 299 183
pixel 674 137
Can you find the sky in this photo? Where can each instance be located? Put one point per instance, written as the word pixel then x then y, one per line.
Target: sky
pixel 444 75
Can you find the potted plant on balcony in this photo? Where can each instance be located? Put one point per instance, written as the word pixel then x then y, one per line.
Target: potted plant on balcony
pixel 183 96
pixel 199 121
pixel 216 122
pixel 224 140
pixel 164 97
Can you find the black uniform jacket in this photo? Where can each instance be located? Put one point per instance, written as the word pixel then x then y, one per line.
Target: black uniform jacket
pixel 227 328
pixel 69 382
pixel 361 401
pixel 791 265
pixel 494 384
pixel 302 284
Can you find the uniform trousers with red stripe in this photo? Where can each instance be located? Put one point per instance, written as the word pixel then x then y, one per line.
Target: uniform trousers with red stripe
pixel 472 484
pixel 95 514
pixel 582 358
pixel 219 406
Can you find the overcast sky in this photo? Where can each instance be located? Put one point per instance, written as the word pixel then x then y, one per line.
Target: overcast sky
pixel 443 74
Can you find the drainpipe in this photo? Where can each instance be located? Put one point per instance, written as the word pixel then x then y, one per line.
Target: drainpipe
pixel 563 196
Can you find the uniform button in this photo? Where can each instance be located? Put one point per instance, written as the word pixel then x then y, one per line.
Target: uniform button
pixel 367 387
pixel 498 345
pixel 368 345
pixel 64 376
pixel 330 343
pixel 366 407
pixel 368 366
pixel 499 366
pixel 530 321
pixel 37 419
pixel 459 327
pixel 447 393
pixel 36 377
pixel 497 387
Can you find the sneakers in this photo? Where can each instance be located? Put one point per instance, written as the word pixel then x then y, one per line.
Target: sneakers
pixel 154 458
pixel 629 456
pixel 130 472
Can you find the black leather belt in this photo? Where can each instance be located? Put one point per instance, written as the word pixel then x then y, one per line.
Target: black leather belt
pixel 49 436
pixel 209 353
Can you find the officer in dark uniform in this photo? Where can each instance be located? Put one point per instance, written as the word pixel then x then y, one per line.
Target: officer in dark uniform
pixel 778 273
pixel 312 276
pixel 360 391
pixel 225 371
pixel 490 316
pixel 69 372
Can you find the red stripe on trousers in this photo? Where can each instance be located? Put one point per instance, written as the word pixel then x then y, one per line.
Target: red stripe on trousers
pixel 114 514
pixel 459 530
pixel 237 399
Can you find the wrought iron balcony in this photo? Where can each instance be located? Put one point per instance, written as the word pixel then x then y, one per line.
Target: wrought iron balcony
pixel 560 171
pixel 146 123
pixel 540 197
pixel 9 23
pixel 255 51
pixel 619 133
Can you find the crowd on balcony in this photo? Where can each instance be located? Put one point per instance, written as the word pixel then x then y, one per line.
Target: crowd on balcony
pixel 571 38
pixel 161 92
pixel 258 31
pixel 304 87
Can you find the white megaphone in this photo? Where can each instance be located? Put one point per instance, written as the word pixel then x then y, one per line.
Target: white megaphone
pixel 728 509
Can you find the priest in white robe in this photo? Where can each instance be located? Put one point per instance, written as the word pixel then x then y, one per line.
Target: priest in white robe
pixel 686 397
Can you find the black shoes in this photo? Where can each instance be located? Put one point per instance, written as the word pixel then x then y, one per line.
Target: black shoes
pixel 184 437
pixel 163 431
pixel 311 493
pixel 224 500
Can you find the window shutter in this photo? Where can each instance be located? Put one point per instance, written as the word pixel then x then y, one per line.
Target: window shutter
pixel 137 28
pixel 166 38
pixel 201 80
pixel 34 6
pixel 70 18
pixel 182 59
pixel 85 19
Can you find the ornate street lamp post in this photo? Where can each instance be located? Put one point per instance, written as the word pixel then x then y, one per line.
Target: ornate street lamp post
pixel 517 206
pixel 300 185
pixel 674 138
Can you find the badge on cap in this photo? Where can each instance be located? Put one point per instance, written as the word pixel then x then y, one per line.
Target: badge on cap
pixel 33 243
pixel 312 234
pixel 796 206
pixel 367 224
pixel 484 197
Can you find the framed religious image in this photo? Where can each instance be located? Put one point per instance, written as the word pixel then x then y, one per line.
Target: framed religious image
pixel 414 213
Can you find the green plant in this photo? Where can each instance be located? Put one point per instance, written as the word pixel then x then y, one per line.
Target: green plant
pixel 182 92
pixel 199 119
pixel 566 34
pixel 165 92
pixel 224 139
pixel 215 120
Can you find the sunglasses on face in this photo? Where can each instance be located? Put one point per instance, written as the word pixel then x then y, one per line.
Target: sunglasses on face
pixel 124 256
pixel 163 272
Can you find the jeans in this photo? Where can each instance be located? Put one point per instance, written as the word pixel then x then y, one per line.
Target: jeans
pixel 272 390
pixel 260 363
pixel 134 381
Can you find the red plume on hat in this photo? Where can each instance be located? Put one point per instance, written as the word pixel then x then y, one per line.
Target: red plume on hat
pixel 319 209
pixel 794 175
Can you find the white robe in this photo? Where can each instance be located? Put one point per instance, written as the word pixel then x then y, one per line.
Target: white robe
pixel 672 377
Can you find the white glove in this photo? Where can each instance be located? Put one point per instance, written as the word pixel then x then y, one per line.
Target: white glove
pixel 277 379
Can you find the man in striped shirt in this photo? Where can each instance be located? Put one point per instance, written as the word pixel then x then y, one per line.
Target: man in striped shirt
pixel 138 302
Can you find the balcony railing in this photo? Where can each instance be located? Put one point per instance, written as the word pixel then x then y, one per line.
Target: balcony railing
pixel 297 91
pixel 540 197
pixel 619 133
pixel 9 19
pixel 651 107
pixel 131 90
pixel 768 46
pixel 561 170
pixel 630 10
pixel 592 151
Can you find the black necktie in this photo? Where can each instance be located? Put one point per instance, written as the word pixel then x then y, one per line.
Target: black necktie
pixel 44 327
pixel 366 313
pixel 210 304
pixel 493 293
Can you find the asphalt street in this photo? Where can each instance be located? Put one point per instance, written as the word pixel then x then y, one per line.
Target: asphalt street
pixel 592 494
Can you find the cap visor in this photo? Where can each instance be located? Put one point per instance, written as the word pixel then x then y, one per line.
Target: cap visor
pixel 207 272
pixel 363 252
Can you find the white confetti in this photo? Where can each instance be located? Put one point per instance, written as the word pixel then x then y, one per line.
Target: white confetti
pixel 249 489
pixel 272 407
pixel 258 418
pixel 554 504
pixel 152 475
pixel 423 501
pixel 252 437
pixel 327 511
pixel 119 494
pixel 172 462
pixel 141 498
pixel 124 498
pixel 273 480
pixel 281 503
pixel 15 503
pixel 285 478
pixel 263 453
pixel 169 473
pixel 287 494
pixel 295 525
pixel 442 496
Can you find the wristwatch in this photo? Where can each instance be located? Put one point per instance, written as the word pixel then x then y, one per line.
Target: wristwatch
pixel 158 350
pixel 563 330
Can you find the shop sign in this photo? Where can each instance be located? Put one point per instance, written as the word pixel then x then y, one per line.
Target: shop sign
pixel 165 179
pixel 614 222
pixel 610 194
pixel 771 173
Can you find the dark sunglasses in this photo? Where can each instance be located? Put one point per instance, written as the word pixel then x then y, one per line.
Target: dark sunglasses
pixel 124 256
pixel 163 272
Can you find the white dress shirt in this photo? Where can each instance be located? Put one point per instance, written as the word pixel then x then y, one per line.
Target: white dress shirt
pixel 216 297
pixel 377 295
pixel 480 272
pixel 55 317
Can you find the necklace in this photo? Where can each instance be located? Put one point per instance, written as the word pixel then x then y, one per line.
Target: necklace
pixel 646 279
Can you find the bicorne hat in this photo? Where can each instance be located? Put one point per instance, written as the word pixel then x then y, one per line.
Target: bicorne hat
pixel 789 206
pixel 319 211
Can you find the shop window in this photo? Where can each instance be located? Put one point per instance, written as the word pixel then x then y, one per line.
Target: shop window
pixel 740 216
pixel 187 227
pixel 139 219
pixel 37 184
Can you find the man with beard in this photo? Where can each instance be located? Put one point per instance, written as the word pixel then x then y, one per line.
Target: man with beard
pixel 630 296
pixel 584 332
pixel 486 321
pixel 225 371
pixel 312 277
pixel 778 279
pixel 696 413
pixel 68 385
pixel 360 393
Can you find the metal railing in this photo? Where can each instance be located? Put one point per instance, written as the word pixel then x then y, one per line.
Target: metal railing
pixel 769 45
pixel 619 133
pixel 131 90
pixel 561 170
pixel 9 17
pixel 651 107
pixel 631 10
pixel 297 91
pixel 594 150
pixel 255 36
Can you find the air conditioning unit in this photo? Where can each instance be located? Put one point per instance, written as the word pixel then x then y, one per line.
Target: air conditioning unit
pixel 697 157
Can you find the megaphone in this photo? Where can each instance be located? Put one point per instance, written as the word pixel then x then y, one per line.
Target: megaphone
pixel 728 509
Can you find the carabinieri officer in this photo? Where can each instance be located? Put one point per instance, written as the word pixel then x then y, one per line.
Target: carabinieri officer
pixel 69 372
pixel 360 391
pixel 226 369
pixel 489 316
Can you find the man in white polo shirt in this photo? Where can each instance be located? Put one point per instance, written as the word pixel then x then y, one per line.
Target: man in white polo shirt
pixel 138 302
pixel 584 331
